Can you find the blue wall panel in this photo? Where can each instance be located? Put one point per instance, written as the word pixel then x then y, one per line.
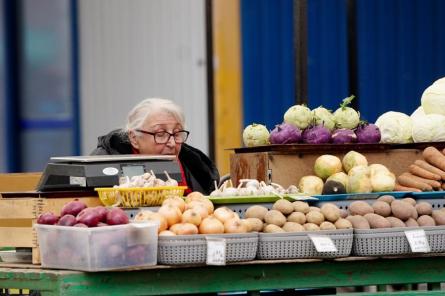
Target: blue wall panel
pixel 401 51
pixel 327 53
pixel 400 47
pixel 268 60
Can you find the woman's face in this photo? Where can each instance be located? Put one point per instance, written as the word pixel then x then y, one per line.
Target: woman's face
pixel 158 122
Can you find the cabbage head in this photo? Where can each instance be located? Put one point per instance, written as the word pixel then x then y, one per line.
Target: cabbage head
pixel 255 135
pixel 433 98
pixel 299 116
pixel 395 127
pixel 429 128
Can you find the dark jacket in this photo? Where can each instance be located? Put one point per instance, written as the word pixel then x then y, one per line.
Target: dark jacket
pixel 199 170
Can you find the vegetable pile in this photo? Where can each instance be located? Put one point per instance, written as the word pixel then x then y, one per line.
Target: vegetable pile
pixel 319 126
pixel 425 174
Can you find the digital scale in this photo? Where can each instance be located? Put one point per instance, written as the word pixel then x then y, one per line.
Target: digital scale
pixel 87 172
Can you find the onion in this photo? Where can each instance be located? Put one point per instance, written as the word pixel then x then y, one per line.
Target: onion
pixel 175 201
pixel 184 229
pixel 191 216
pixel 285 133
pixel 195 195
pixel 223 214
pixel 73 207
pixel 200 209
pixel 117 216
pixel 89 216
pixel 211 225
pixel 47 218
pixel 203 202
pixel 171 213
pixel 235 225
pixel 166 233
pixel 102 212
pixel 67 220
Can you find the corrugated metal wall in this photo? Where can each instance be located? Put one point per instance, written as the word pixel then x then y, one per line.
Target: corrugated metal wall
pixel 400 51
pixel 131 50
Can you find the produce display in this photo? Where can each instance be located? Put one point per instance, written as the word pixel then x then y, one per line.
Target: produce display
pixel 352 174
pixel 425 174
pixel 387 212
pixel 319 126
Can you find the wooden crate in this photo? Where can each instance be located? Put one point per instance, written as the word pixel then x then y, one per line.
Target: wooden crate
pixel 19 214
pixel 286 164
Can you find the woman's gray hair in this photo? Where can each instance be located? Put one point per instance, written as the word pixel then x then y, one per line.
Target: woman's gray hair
pixel 139 114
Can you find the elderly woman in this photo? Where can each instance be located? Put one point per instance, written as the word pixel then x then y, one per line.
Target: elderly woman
pixel 156 126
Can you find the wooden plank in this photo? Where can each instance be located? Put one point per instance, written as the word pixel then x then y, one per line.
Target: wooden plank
pixel 248 165
pixel 18 208
pixel 19 181
pixel 17 237
pixel 287 169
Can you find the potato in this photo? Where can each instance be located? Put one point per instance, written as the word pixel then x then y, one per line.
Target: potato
pixel 311 227
pixel 256 211
pixel 381 208
pixel 377 221
pixel 314 209
pixel 275 217
pixel 293 227
pixel 386 198
pixel 301 206
pixel 297 217
pixel 360 208
pixel 343 224
pixel 284 206
pixel 439 217
pixel 331 212
pixel 402 210
pixel 255 224
pixel 426 220
pixel 414 215
pixel 424 208
pixel 271 228
pixel 315 217
pixel 358 222
pixel 411 223
pixel 409 200
pixel 327 226
pixel 395 222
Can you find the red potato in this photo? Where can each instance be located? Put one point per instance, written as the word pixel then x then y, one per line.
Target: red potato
pixel 434 157
pixel 425 165
pixel 421 172
pixel 399 187
pixel 407 180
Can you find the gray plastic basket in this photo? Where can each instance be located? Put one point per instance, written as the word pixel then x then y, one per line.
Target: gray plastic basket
pixel 192 249
pixel 392 241
pixel 293 245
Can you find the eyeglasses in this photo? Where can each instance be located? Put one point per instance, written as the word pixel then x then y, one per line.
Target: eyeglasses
pixel 163 137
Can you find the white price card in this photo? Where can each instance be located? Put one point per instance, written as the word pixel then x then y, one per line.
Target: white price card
pixel 216 251
pixel 322 243
pixel 417 240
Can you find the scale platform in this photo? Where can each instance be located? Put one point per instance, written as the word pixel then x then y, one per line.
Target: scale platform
pixel 87 172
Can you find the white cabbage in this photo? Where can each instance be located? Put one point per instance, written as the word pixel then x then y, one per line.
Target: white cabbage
pixel 255 135
pixel 433 98
pixel 419 112
pixel 429 128
pixel 299 116
pixel 395 127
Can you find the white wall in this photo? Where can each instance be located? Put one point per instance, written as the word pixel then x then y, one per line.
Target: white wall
pixel 134 49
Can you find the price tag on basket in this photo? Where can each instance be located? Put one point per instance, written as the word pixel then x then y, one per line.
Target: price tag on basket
pixel 322 243
pixel 417 241
pixel 216 251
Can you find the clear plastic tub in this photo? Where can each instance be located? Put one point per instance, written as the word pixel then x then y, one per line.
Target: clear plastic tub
pixel 99 248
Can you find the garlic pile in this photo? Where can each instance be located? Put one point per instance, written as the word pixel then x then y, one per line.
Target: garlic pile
pixel 252 187
pixel 147 180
